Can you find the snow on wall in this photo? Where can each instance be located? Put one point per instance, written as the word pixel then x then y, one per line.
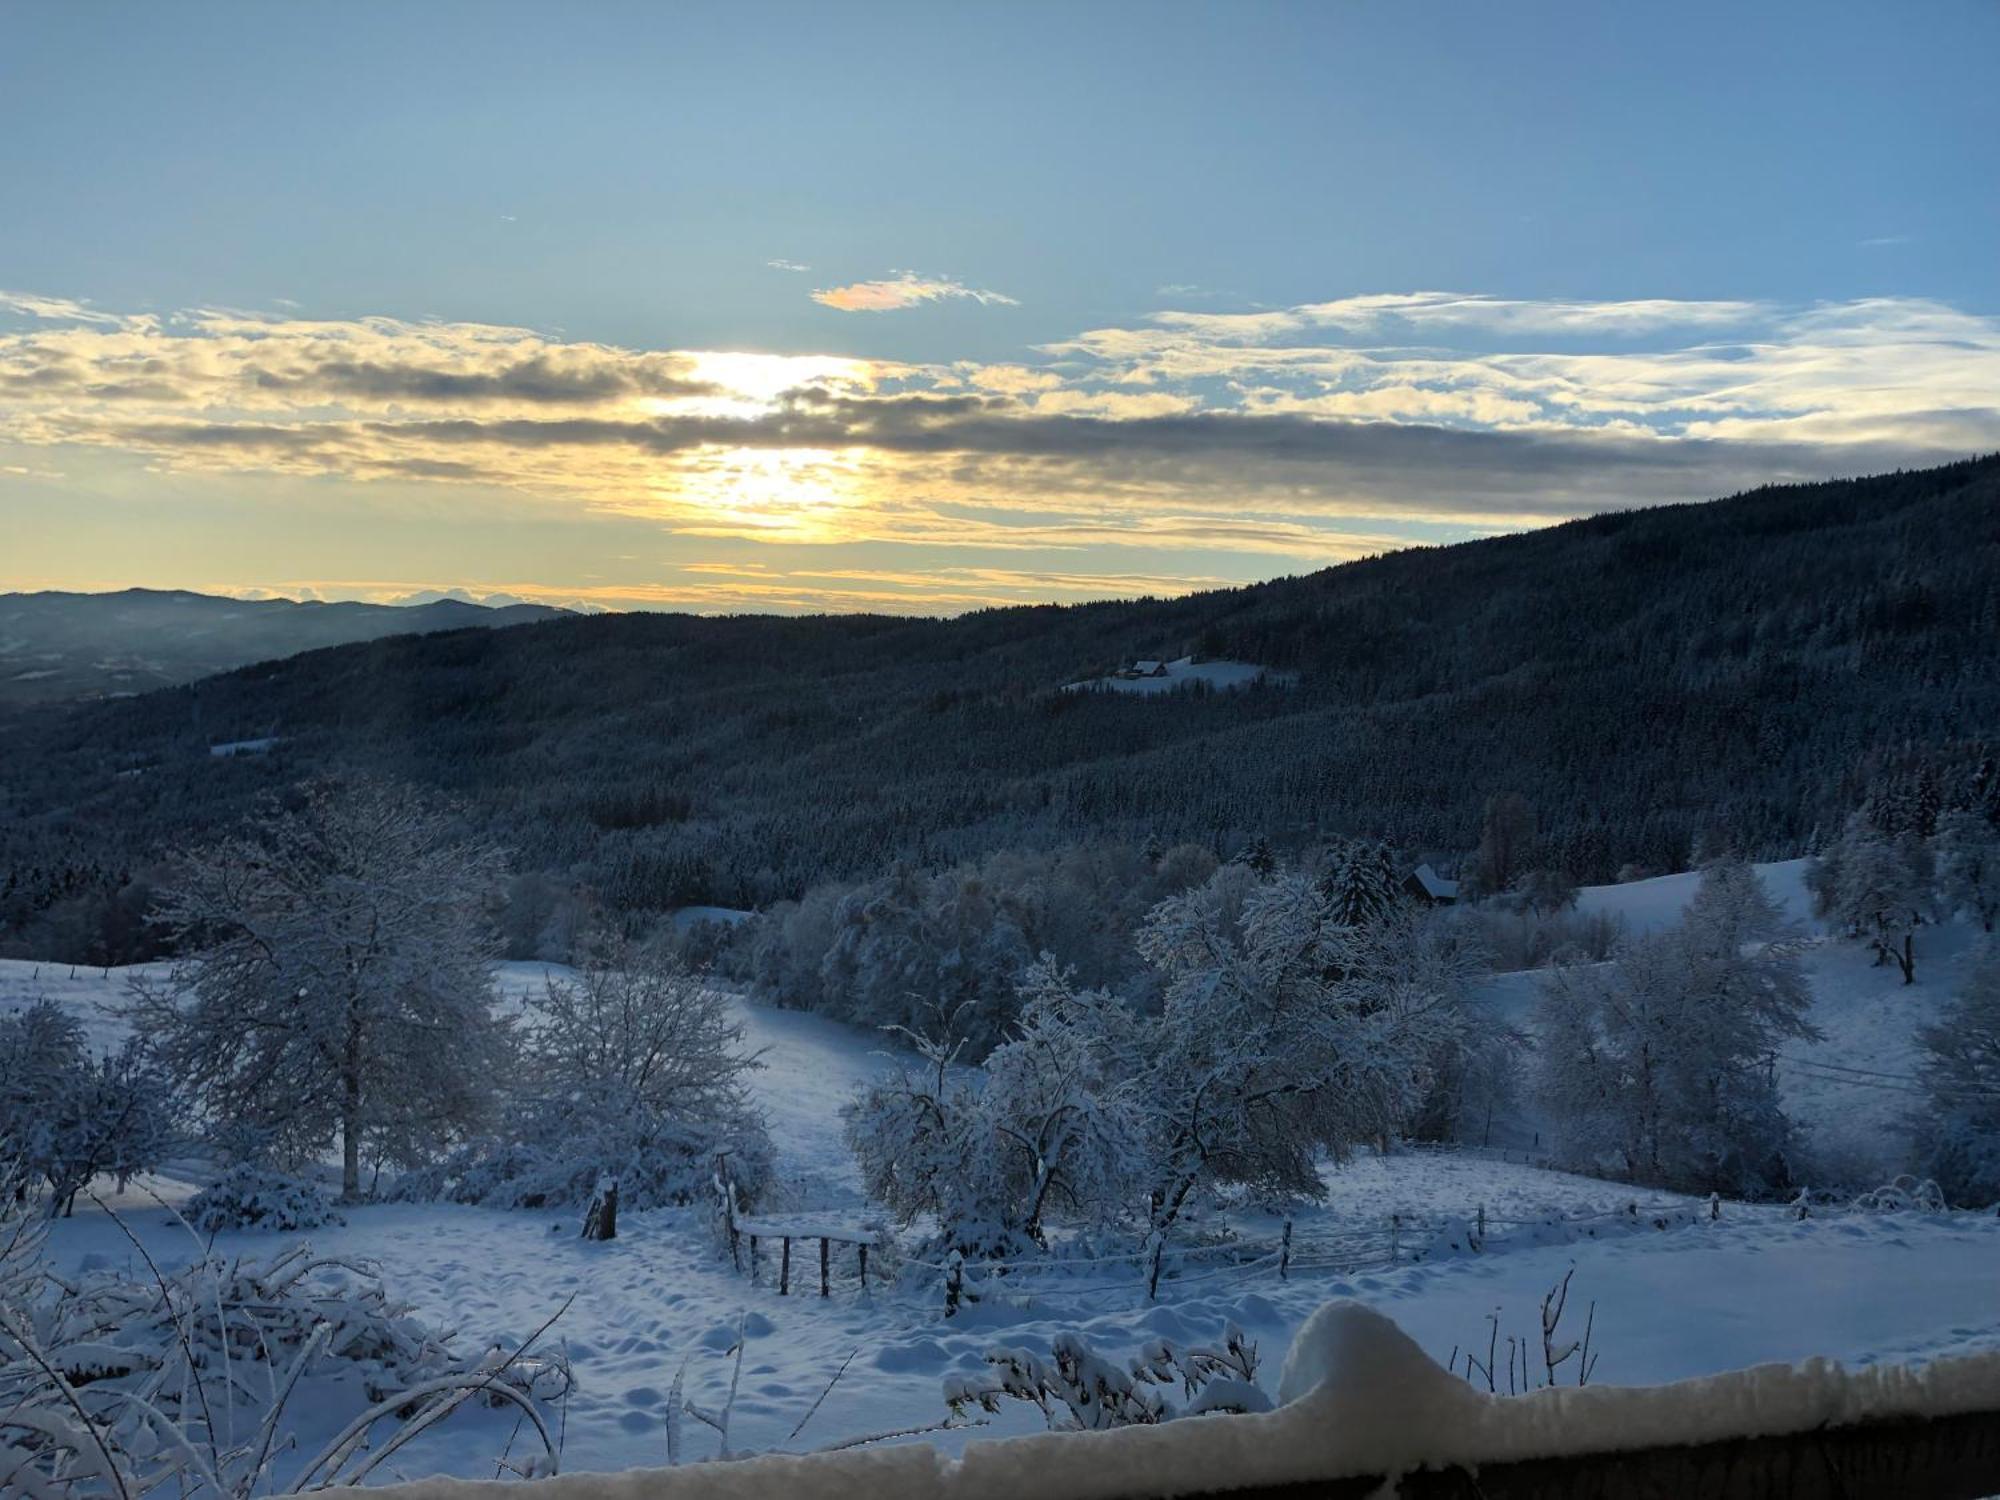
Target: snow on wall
pixel 1361 1399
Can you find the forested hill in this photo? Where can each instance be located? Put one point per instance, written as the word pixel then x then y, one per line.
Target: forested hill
pixel 1643 679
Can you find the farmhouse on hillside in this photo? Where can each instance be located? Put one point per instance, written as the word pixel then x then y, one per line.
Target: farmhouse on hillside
pixel 1426 885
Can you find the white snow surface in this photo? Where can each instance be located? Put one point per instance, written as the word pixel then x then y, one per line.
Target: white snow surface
pixel 1361 1398
pixel 1185 672
pixel 1693 1300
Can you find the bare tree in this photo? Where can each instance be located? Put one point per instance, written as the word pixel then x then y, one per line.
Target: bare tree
pixel 341 984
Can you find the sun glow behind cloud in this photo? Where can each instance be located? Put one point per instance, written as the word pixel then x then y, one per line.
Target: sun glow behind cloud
pixel 1219 444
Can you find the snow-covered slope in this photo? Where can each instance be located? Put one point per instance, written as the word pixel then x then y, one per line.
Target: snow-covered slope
pixel 1649 905
pixel 1184 673
pixel 1693 1299
pixel 1853 1090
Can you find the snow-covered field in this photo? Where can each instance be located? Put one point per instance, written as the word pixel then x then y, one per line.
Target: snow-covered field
pixel 1696 1297
pixel 1184 672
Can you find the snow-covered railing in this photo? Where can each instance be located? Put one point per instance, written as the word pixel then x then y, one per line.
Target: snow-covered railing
pixel 1366 1412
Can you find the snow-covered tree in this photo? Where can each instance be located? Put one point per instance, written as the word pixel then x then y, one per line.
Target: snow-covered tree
pixel 342 987
pixel 1959 1132
pixel 1506 843
pixel 1733 906
pixel 67 1117
pixel 1877 886
pixel 1661 1062
pixel 634 1070
pixel 922 1140
pixel 1285 1034
pixel 1049 1127
pixel 1968 865
pixel 1360 883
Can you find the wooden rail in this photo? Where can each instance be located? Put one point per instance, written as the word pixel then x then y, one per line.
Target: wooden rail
pixel 1936 1458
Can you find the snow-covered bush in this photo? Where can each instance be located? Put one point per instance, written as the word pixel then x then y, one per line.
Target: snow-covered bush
pixel 248 1196
pixel 1907 1194
pixel 635 1069
pixel 892 950
pixel 66 1117
pixel 1660 1063
pixel 1078 1390
pixel 179 1381
pixel 1047 1128
pixel 1958 1132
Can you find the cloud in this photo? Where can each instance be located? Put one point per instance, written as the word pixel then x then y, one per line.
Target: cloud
pixel 781 264
pixel 57 309
pixel 904 289
pixel 1309 433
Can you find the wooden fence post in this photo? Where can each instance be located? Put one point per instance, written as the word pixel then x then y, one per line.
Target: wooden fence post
pixel 864 1266
pixel 1285 1252
pixel 954 1284
pixel 785 1270
pixel 753 1260
pixel 1153 1280
pixel 600 1219
pixel 825 1288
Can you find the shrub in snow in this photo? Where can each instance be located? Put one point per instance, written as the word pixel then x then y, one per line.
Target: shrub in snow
pixel 1958 1133
pixel 1660 1063
pixel 1047 1128
pixel 343 987
pixel 66 1117
pixel 634 1070
pixel 1907 1194
pixel 1078 1390
pixel 253 1197
pixel 179 1381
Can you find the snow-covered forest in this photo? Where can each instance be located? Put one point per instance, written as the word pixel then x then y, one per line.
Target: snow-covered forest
pixel 1056 1140
pixel 1654 686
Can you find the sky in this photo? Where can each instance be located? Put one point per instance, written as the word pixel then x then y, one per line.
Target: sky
pixel 934 307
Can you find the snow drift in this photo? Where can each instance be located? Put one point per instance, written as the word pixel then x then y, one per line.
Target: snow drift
pixel 1361 1399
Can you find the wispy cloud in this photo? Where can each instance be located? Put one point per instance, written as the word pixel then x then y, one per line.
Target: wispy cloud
pixel 781 264
pixel 904 289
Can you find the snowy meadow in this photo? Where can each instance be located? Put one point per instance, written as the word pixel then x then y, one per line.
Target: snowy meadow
pixel 1707 1116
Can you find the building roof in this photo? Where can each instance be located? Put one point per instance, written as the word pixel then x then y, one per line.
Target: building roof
pixel 1435 885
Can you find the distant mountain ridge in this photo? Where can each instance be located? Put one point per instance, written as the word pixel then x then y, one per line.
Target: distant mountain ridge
pixel 1656 684
pixel 62 647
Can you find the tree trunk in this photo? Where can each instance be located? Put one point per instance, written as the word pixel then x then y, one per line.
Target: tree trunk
pixel 600 1220
pixel 350 1112
pixel 350 1142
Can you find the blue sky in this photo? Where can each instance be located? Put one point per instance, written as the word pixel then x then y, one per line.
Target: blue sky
pixel 1095 299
